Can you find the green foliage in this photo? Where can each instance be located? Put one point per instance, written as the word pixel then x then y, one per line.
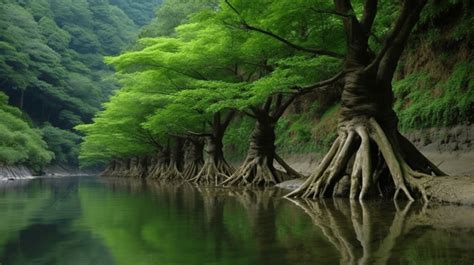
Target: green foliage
pixel 19 143
pixel 425 101
pixel 312 131
pixel 51 64
pixel 64 144
pixel 237 138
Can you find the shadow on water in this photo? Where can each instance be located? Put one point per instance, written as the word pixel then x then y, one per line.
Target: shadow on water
pixel 121 221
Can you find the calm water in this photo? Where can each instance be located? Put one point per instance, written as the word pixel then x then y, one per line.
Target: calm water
pixel 101 222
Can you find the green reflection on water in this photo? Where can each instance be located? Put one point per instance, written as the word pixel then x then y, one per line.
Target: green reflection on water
pixel 86 221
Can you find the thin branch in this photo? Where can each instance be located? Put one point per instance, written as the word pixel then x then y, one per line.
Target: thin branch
pixel 249 114
pixel 199 134
pixel 389 60
pixel 393 34
pixel 317 51
pixel 370 11
pixel 228 119
pixel 279 111
pixel 322 83
pixel 268 103
pixel 279 100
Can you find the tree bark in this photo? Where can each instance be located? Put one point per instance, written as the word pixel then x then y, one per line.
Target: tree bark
pixel 193 160
pixel 258 168
pixel 215 168
pixel 161 163
pixel 175 167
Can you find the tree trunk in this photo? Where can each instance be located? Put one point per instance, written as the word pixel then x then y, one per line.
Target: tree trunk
pixel 175 167
pixel 193 157
pixel 161 163
pixel 111 167
pixel 138 167
pixel 215 168
pixel 258 168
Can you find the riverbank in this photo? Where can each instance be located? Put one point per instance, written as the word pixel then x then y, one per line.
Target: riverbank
pixel 457 188
pixel 451 149
pixel 10 173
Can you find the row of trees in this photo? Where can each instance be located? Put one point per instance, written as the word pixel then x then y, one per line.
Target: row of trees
pixel 252 59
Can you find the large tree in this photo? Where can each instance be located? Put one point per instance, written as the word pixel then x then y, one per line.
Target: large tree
pixel 369 149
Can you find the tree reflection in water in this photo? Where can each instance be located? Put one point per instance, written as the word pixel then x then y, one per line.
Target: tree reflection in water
pixel 358 235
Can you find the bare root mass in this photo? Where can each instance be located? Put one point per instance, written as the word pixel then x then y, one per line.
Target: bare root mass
pixel 258 171
pixel 371 150
pixel 157 172
pixel 172 173
pixel 213 173
pixel 191 169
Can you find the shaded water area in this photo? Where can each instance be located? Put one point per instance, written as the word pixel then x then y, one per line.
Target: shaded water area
pixel 89 220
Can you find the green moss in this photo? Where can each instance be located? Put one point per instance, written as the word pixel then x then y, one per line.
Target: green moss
pixel 303 133
pixel 425 101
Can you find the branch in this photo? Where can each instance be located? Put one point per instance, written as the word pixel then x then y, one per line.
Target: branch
pixel 322 83
pixel 370 11
pixel 279 111
pixel 279 100
pixel 387 59
pixel 249 114
pixel 245 25
pixel 293 45
pixel 268 103
pixel 199 134
pixel 228 119
pixel 287 168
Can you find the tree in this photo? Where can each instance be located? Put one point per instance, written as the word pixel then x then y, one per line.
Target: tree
pixel 368 126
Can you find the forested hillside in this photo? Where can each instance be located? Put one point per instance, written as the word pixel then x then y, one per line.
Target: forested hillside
pixel 52 69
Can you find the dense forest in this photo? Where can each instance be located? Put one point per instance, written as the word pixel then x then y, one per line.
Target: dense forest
pixel 207 82
pixel 52 74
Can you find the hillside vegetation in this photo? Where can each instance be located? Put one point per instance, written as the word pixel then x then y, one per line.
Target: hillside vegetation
pixel 52 69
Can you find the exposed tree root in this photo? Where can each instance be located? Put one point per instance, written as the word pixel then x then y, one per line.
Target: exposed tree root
pixel 191 169
pixel 357 140
pixel 258 171
pixel 172 173
pixel 193 157
pixel 158 170
pixel 213 173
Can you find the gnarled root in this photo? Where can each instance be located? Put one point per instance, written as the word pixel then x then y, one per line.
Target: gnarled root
pixel 191 170
pixel 258 171
pixel 213 173
pixel 158 170
pixel 357 140
pixel 172 173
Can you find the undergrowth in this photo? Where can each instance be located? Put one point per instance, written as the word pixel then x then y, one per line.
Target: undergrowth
pixel 425 101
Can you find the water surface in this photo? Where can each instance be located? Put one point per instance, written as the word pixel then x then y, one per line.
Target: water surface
pixel 108 221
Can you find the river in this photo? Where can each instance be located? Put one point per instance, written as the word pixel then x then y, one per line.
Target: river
pixel 89 220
